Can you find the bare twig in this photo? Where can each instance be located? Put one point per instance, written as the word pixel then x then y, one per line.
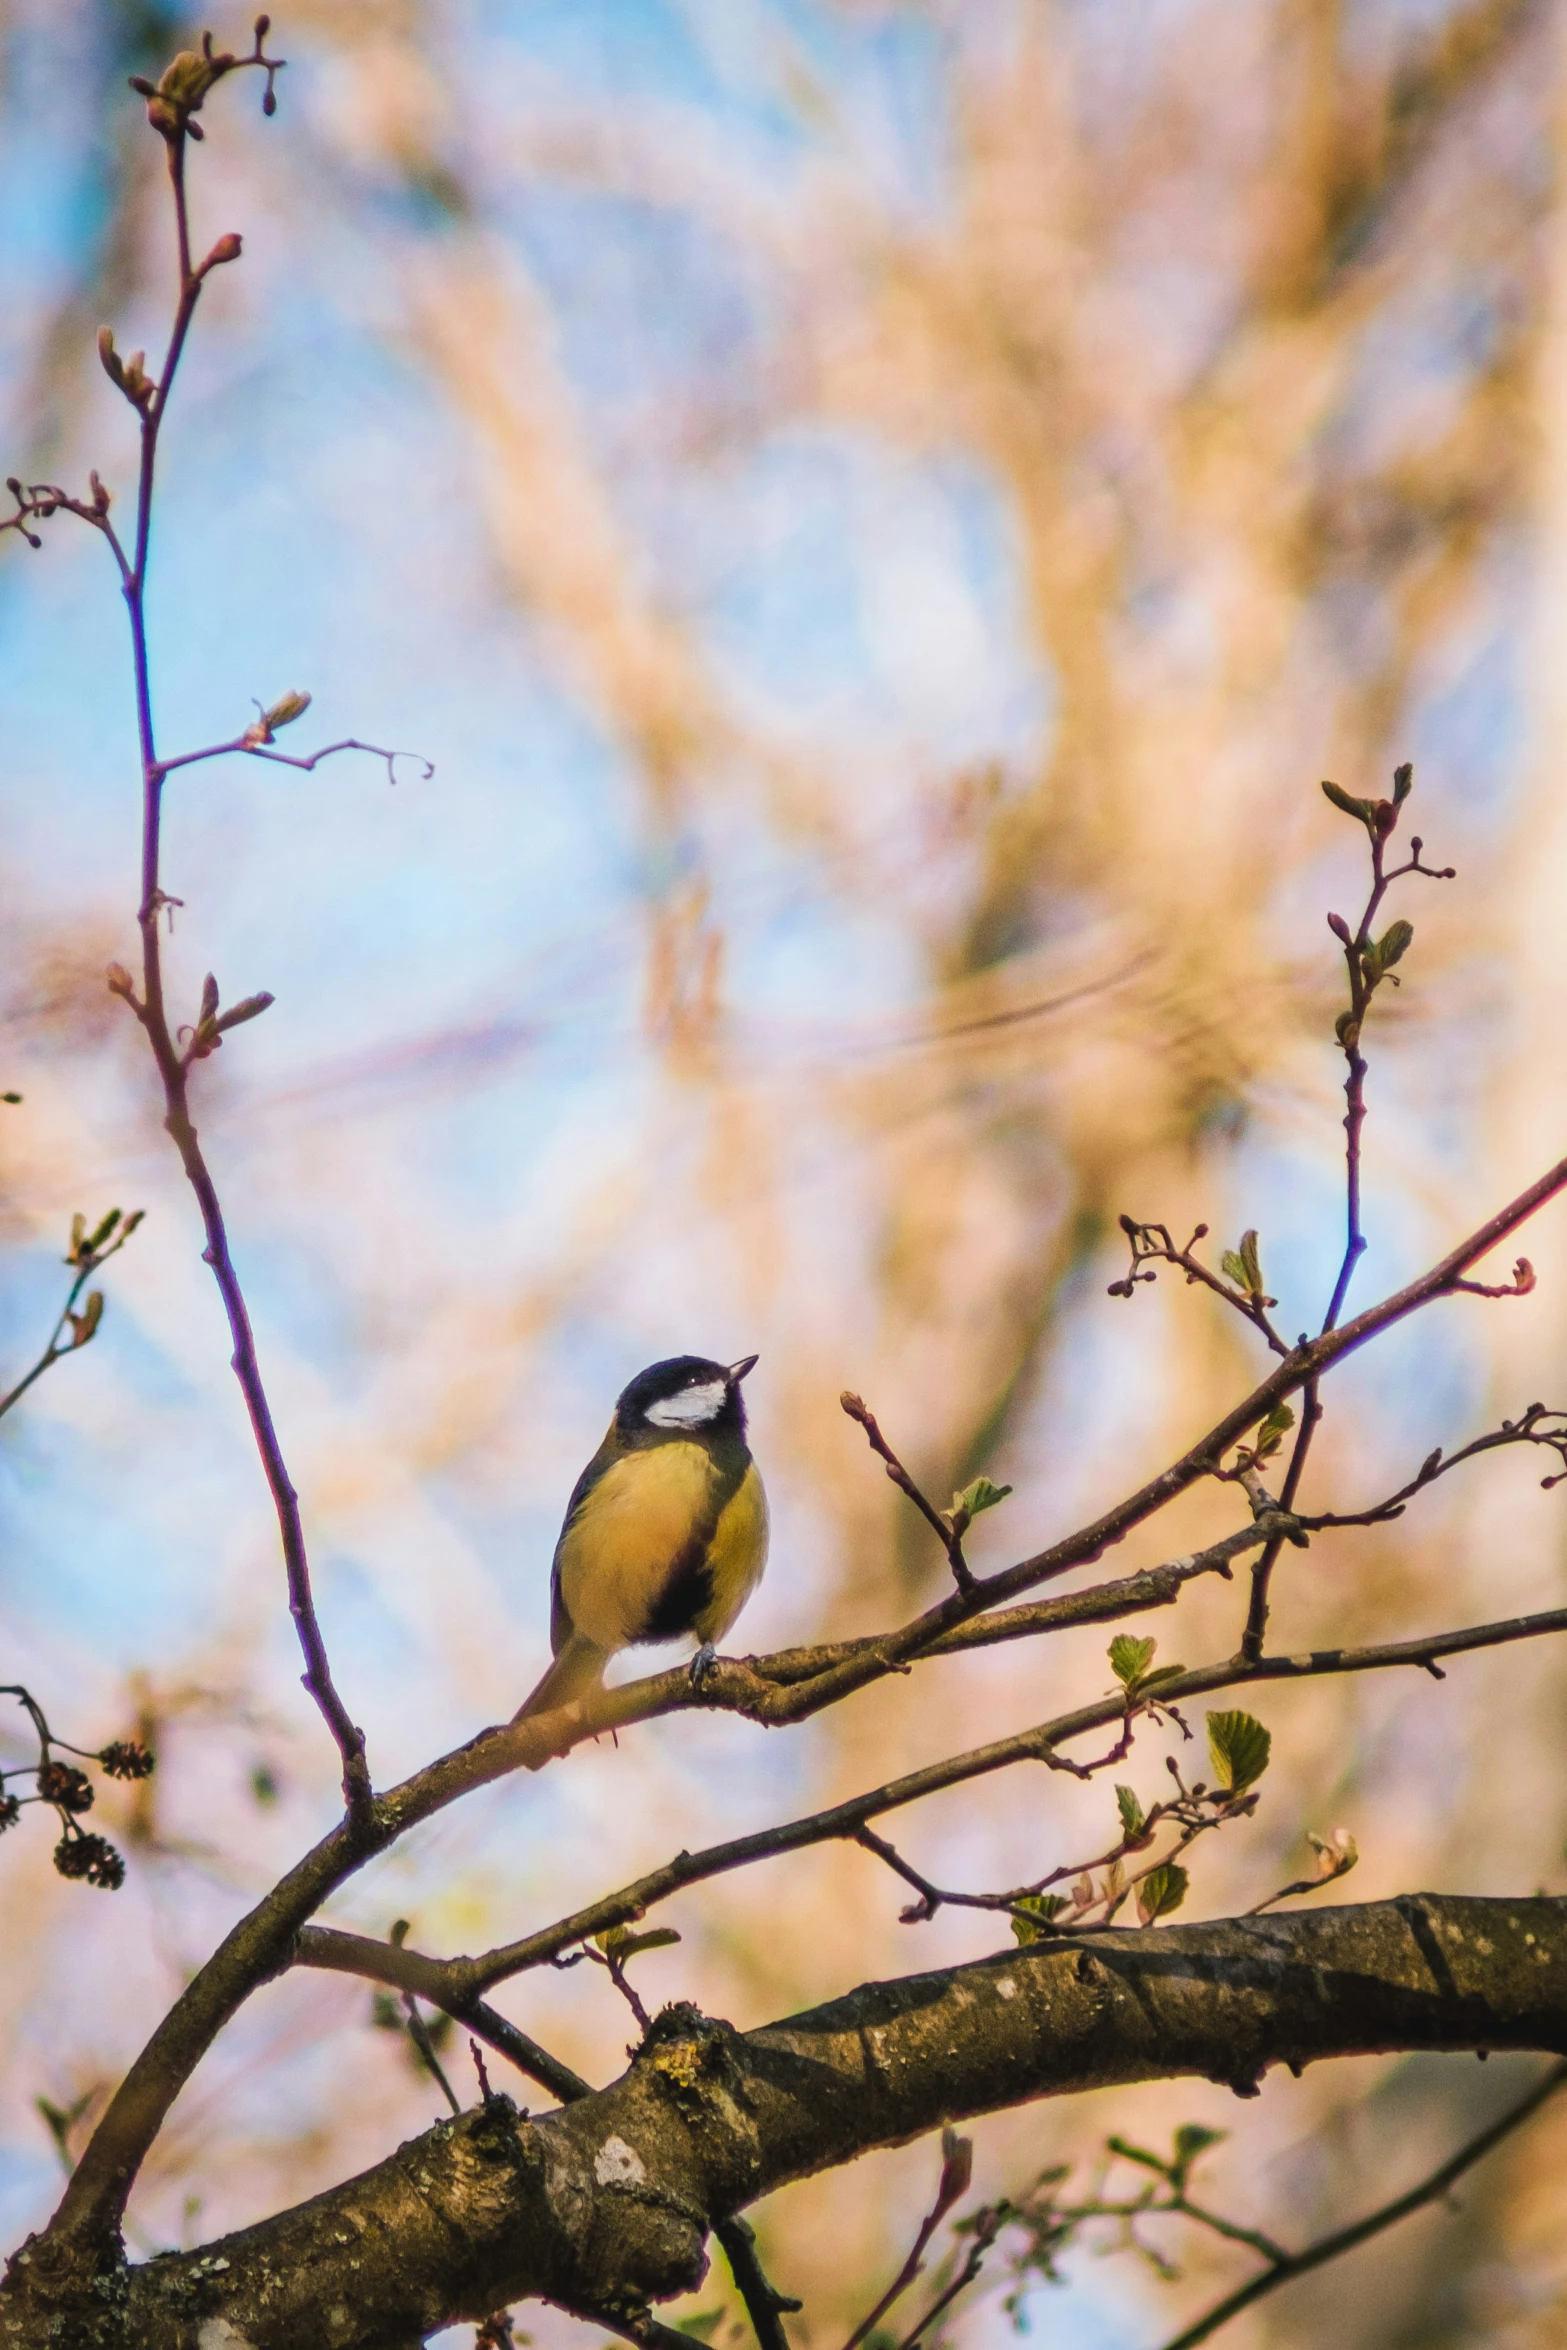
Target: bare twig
pixel 949 1533
pixel 172 106
pixel 957 2168
pixel 241 745
pixel 764 2304
pixel 1430 2190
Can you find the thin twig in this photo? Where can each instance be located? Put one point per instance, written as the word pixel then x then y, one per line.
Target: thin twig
pixel 151 1010
pixel 957 2168
pixel 83 1328
pixel 1152 1244
pixel 764 2303
pixel 947 1530
pixel 241 747
pixel 1327 2248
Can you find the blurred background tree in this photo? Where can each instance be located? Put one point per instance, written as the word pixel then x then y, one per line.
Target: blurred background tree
pixel 880 516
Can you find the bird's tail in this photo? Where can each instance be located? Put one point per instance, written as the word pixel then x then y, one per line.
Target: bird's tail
pixel 578 1668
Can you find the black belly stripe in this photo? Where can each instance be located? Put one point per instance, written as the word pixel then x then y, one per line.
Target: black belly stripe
pixel 688 1591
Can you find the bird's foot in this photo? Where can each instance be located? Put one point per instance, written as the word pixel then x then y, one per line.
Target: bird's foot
pixel 702 1663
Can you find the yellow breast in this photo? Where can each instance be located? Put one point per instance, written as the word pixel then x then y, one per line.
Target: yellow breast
pixel 620 1548
pixel 657 1523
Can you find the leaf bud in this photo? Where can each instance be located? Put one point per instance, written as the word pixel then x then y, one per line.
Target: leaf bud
pixel 1403 783
pixel 109 358
pixel 283 713
pixel 227 248
pixel 1393 944
pixel 119 980
pixel 249 1007
pixel 1340 928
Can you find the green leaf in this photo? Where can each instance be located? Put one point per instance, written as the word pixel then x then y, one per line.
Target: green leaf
pixel 1240 1747
pixel 621 1942
pixel 1130 1658
pixel 1191 2140
pixel 1251 1262
pixel 701 2325
pixel 1160 1892
pixel 1233 1268
pixel 1043 1906
pixel 1130 1809
pixel 981 1495
pixel 1364 809
pixel 1403 783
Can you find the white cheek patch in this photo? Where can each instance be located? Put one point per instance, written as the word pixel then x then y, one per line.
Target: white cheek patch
pixel 692 1407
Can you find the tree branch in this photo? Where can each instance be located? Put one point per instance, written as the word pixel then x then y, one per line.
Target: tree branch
pixel 610 2200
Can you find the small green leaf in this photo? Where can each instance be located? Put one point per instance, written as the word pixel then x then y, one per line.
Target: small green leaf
pixel 1251 1262
pixel 1043 1906
pixel 1160 1892
pixel 1191 2140
pixel 622 1942
pixel 1403 783
pixel 981 1495
pixel 1130 1658
pixel 1240 1747
pixel 1130 1809
pixel 1364 809
pixel 1233 1269
pixel 701 2325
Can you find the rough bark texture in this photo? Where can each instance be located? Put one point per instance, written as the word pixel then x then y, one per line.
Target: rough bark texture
pixel 607 2204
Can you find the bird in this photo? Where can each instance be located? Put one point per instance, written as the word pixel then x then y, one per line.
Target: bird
pixel 665 1534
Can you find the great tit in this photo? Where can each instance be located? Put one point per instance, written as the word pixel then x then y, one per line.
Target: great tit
pixel 666 1530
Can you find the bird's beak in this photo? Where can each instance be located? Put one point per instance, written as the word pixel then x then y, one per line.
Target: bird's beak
pixel 737 1371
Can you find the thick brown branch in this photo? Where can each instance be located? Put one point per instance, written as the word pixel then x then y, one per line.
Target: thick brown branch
pixel 611 2199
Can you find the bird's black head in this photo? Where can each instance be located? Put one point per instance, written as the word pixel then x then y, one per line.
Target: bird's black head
pixel 686 1393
